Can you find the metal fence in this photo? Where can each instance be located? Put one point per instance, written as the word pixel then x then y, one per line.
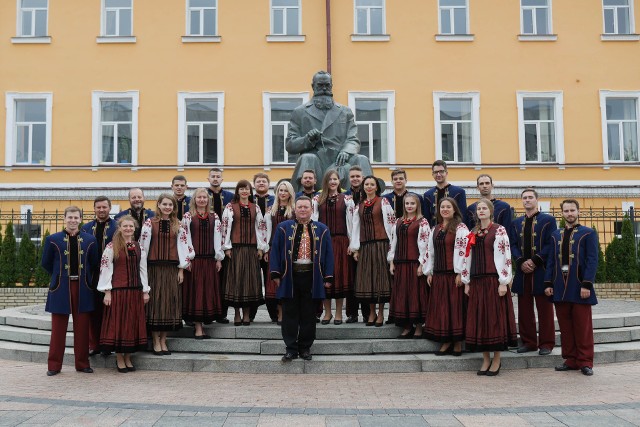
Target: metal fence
pixel 608 221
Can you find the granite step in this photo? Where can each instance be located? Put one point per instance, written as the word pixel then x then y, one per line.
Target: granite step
pixel 321 364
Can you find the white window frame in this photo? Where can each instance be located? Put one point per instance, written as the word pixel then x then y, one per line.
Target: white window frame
pixel 368 36
pixel 30 38
pixel 390 96
pixel 188 38
pixel 272 8
pixel 604 95
pixel 558 105
pixel 535 36
pixel 615 19
pixel 104 38
pixel 475 123
pixel 267 124
pixel 96 128
pixel 11 131
pixel 183 97
pixel 467 36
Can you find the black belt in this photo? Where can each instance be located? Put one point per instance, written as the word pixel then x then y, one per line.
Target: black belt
pixel 302 268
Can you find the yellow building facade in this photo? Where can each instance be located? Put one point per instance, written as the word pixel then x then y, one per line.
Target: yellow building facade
pixel 104 95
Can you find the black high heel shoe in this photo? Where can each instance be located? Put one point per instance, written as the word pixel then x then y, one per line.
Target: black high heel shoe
pixel 326 321
pixel 121 370
pixel 494 373
pixel 372 323
pixel 449 350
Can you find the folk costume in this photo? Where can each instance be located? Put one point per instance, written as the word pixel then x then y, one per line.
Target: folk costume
pixel 309 195
pixel 491 323
pixel 140 218
pixel 408 251
pixel 352 303
pixel 201 299
pixel 435 194
pixel 502 214
pixel 397 202
pixel 219 200
pixel 244 231
pixel 264 203
pixel 337 214
pixel 447 306
pixel 371 233
pixel 302 258
pixel 275 215
pixel 530 239
pixel 571 266
pixel 167 251
pixel 183 206
pixel 103 232
pixel 124 329
pixel 71 261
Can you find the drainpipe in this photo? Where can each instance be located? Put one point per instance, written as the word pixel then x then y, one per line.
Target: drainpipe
pixel 328 16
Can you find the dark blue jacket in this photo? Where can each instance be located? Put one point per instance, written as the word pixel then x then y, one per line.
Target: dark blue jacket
pixel 55 261
pixel 301 193
pixel 148 213
pixel 281 259
pixel 391 197
pixel 583 265
pixel 501 214
pixel 430 209
pixel 109 230
pixel 543 226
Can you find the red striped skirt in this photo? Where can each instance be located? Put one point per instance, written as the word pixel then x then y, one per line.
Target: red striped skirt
pixel 409 294
pixel 342 284
pixel 124 327
pixel 446 309
pixel 201 301
pixel 491 323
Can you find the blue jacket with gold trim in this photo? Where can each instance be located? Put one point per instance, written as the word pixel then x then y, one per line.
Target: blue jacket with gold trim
pixel 281 258
pixel 55 260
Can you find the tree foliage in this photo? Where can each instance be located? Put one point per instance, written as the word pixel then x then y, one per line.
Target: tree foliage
pixel 622 265
pixel 26 263
pixel 8 271
pixel 42 277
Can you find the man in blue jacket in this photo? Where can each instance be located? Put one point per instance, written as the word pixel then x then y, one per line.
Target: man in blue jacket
pixel 71 258
pixel 501 210
pixel 442 189
pixel 102 228
pixel 569 279
pixel 136 210
pixel 301 264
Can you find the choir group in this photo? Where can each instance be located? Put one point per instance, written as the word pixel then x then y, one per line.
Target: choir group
pixel 446 270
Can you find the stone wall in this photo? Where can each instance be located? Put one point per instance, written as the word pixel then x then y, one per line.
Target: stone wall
pixel 16 297
pixel 618 290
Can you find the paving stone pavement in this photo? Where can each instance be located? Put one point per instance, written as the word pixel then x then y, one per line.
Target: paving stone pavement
pixel 532 397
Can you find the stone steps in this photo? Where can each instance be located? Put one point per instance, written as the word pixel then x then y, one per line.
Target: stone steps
pixel 352 364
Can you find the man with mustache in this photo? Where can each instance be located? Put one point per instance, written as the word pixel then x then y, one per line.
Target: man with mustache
pixel 325 135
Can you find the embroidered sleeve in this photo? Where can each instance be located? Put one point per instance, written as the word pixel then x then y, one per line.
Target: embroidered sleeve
pixel 145 235
pixel 424 235
pixel 185 249
pixel 144 278
pixel 427 267
pixel 106 269
pixel 460 262
pixel 502 256
pixel 391 254
pixel 225 223
pixel 268 220
pixel 350 209
pixel 354 243
pixel 261 232
pixel 315 211
pixel 388 216
pixel 217 238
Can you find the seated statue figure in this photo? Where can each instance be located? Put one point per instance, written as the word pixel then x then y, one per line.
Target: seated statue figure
pixel 325 135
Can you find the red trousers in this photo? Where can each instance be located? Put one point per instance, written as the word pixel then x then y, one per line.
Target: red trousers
pixel 527 318
pixel 59 324
pixel 96 321
pixel 576 334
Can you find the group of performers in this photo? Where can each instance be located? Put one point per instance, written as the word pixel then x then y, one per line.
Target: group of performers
pixel 445 269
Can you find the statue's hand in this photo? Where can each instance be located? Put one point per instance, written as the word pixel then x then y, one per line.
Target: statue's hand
pixel 343 156
pixel 314 136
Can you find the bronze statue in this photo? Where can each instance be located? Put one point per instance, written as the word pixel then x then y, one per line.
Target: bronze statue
pixel 325 135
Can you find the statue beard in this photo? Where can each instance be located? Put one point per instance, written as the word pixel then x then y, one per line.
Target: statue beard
pixel 323 102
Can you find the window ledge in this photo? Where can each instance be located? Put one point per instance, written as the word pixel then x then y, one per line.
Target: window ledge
pixel 455 37
pixel 286 38
pixel 537 37
pixel 620 37
pixel 370 37
pixel 116 39
pixel 201 39
pixel 31 40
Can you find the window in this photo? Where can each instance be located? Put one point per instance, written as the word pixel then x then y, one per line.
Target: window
pixel 457 126
pixel 28 133
pixel 32 18
pixel 620 125
pixel 540 127
pixel 115 128
pixel 285 17
pixel 117 18
pixel 202 17
pixel 200 128
pixel 535 17
pixel 369 17
pixel 453 17
pixel 277 109
pixel 374 116
pixel 618 16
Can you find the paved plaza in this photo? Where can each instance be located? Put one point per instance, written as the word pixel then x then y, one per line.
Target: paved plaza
pixel 538 397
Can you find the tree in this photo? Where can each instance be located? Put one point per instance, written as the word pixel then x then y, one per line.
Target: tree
pixel 622 265
pixel 42 277
pixel 26 263
pixel 8 274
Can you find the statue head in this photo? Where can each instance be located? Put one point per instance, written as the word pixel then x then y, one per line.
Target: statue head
pixel 322 84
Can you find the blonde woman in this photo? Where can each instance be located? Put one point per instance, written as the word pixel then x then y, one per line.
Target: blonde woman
pixel 201 300
pixel 168 247
pixel 123 280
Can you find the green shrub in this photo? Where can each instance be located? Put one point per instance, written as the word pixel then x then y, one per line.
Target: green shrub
pixel 26 263
pixel 42 277
pixel 622 265
pixel 8 271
